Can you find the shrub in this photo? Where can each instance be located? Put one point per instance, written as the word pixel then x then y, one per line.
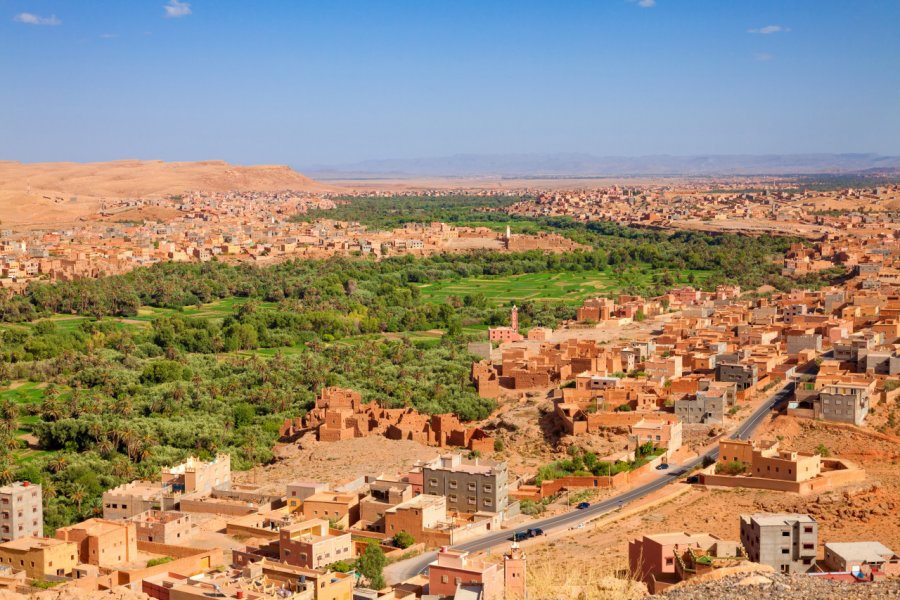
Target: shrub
pixel 153 562
pixel 734 467
pixel 403 540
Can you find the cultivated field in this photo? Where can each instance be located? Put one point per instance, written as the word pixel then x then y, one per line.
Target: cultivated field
pixel 570 287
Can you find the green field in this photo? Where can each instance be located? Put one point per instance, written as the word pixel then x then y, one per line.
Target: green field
pixel 569 287
pixel 27 393
pixel 23 394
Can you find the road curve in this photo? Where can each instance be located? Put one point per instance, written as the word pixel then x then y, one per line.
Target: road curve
pixel 411 567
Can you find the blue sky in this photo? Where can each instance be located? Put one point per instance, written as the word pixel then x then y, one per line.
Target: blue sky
pixel 309 82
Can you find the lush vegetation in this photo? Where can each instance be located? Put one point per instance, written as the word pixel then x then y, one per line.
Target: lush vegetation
pixel 388 212
pixel 583 463
pixel 403 540
pixel 107 380
pixel 371 565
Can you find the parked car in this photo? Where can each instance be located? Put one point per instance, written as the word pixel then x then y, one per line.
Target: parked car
pixel 535 532
pixel 692 479
pixel 662 466
pixel 583 505
pixel 520 536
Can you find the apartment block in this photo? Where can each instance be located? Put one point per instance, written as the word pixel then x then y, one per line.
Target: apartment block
pixel 786 542
pixel 21 511
pixel 742 375
pixel 705 407
pixel 470 486
pixel 843 403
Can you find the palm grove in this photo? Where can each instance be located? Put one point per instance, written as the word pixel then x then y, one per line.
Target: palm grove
pixel 120 397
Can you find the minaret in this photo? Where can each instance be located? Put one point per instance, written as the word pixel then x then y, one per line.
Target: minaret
pixel 514 318
pixel 514 574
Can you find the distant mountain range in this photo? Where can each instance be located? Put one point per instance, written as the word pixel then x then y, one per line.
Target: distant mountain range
pixel 587 165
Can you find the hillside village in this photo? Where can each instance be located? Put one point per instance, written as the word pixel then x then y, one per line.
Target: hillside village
pixel 679 392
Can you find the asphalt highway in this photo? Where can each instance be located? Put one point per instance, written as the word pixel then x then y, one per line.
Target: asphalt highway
pixel 414 566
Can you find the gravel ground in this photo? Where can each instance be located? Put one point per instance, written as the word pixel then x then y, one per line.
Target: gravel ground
pixel 772 586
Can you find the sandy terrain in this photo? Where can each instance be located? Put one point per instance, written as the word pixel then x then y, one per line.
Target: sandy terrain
pixel 865 511
pixel 59 193
pixel 335 462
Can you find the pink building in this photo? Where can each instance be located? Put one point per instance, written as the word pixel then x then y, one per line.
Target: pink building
pixel 454 569
pixel 507 334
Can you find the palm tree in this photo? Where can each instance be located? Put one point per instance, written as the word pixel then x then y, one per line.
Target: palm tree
pixel 7 475
pixel 77 493
pixel 123 469
pixel 105 446
pixel 57 463
pixel 48 489
pixel 9 414
pixel 51 410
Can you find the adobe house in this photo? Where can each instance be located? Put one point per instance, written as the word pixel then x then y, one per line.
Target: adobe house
pixel 311 544
pixel 454 569
pixel 102 542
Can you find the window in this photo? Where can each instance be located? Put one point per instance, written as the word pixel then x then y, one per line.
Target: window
pixel 670 561
pixel 785 533
pixel 807 529
pixel 445 579
pixel 808 546
pixel 784 550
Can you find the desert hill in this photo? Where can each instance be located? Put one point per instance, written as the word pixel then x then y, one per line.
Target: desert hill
pixel 57 193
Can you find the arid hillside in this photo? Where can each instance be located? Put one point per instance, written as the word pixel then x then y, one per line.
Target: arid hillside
pixel 59 193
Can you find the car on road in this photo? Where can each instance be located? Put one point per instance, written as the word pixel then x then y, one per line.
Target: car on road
pixel 535 532
pixel 662 466
pixel 520 536
pixel 583 505
pixel 692 479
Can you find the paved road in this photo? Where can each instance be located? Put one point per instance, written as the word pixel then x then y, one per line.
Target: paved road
pixel 409 568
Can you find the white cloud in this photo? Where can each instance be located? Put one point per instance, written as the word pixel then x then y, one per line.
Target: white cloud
pixel 108 36
pixel 770 29
pixel 175 9
pixel 646 3
pixel 32 19
pixel 764 56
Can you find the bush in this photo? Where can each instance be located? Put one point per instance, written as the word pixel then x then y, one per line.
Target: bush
pixel 823 451
pixel 371 565
pixel 734 467
pixel 153 562
pixel 403 540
